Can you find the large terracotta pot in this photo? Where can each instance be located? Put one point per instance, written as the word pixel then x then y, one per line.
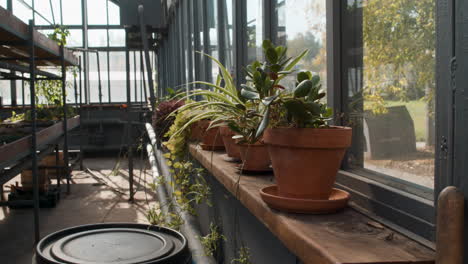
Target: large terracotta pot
pixel 306 160
pixel 254 157
pixel 195 132
pixel 232 149
pixel 211 138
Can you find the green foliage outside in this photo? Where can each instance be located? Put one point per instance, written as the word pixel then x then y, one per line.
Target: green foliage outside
pixel 399 51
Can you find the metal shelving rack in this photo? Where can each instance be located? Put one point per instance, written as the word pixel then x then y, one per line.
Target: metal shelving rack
pixel 23 49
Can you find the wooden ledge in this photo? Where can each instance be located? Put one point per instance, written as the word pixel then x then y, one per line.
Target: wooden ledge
pixel 346 237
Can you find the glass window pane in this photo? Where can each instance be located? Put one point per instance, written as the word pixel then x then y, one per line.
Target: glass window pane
pixel 228 33
pixel 213 37
pixel 3 3
pixel 76 38
pixel 117 77
pixel 21 11
pixel 390 78
pixel 117 37
pixel 254 30
pixel 95 76
pixel 44 12
pixel 72 12
pixel 97 38
pixel 114 13
pixel 5 92
pixel 301 26
pixel 97 12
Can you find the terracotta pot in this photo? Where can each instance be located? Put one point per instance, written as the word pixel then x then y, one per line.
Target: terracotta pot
pixel 306 160
pixel 232 149
pixel 195 131
pixel 254 157
pixel 211 138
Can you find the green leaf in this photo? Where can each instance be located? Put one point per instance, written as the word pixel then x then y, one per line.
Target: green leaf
pixel 296 60
pixel 275 68
pixel 297 109
pixel 237 136
pixel 315 80
pixel 267 101
pixel 328 112
pixel 248 87
pixel 240 106
pixel 250 95
pixel 234 127
pixel 301 76
pixel 321 95
pixel 280 50
pixel 267 44
pixel 271 55
pixel 264 124
pixel 303 88
pixel 314 108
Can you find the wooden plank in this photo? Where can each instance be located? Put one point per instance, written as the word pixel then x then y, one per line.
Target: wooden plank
pixel 13 30
pixel 345 237
pixel 21 148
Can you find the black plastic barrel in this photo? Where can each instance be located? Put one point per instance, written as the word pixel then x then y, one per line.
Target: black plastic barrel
pixel 114 243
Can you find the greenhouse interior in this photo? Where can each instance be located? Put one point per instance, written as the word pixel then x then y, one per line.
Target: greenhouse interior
pixel 233 131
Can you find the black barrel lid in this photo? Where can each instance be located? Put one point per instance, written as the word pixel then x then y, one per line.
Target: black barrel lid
pixel 115 243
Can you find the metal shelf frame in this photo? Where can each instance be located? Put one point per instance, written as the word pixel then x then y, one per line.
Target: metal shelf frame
pixel 22 50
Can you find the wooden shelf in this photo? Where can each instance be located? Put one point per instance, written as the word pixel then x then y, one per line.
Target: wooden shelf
pixel 14 37
pixel 345 237
pixel 16 150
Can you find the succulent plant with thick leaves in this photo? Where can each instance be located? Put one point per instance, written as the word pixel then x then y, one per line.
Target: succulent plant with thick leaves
pixel 299 107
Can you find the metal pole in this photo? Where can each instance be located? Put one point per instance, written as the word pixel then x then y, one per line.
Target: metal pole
pixel 143 76
pixel 57 169
pixel 32 68
pixel 135 74
pixel 84 7
pixel 144 40
pixel 108 78
pixel 22 89
pixel 128 126
pixel 99 78
pixel 75 87
pixel 108 53
pixel 65 125
pixel 81 118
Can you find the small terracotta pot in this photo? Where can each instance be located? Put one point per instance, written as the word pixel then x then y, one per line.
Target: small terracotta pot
pixel 232 149
pixel 211 138
pixel 306 160
pixel 254 157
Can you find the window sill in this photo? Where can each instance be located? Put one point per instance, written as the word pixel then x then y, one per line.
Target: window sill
pixel 345 237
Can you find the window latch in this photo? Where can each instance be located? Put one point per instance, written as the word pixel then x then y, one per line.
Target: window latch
pixel 444 147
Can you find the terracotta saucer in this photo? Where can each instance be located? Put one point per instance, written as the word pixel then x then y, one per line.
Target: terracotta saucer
pixel 338 200
pixel 267 172
pixel 230 159
pixel 211 148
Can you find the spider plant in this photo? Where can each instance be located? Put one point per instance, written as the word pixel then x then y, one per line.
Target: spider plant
pixel 219 104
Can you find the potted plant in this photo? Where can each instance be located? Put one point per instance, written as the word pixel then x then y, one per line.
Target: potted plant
pixel 305 151
pixel 216 105
pixel 262 88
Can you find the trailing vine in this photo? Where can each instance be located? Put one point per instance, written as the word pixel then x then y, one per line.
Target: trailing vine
pixel 211 241
pixel 60 35
pixel 243 256
pixel 188 184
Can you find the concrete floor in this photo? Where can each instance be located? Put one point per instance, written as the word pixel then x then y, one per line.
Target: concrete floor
pixel 97 197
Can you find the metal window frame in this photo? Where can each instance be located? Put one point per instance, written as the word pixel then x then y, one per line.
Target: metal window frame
pixel 383 198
